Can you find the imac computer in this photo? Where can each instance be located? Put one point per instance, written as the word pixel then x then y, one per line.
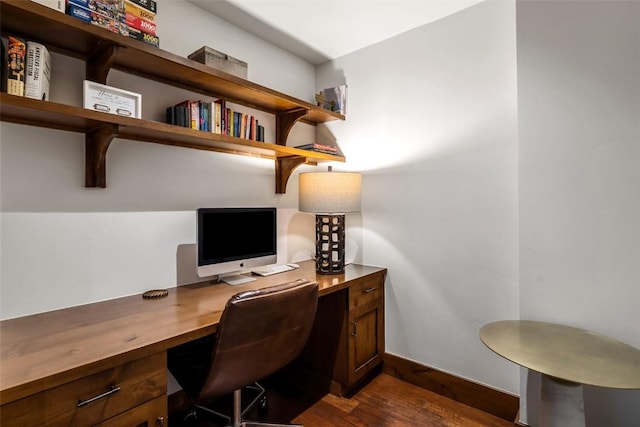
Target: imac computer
pixel 232 239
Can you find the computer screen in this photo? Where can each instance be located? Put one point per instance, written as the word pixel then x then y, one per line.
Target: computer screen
pixel 232 239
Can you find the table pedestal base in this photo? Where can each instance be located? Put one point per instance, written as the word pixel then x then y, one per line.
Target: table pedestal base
pixel 561 403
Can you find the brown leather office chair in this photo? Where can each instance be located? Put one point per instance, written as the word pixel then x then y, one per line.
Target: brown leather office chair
pixel 259 332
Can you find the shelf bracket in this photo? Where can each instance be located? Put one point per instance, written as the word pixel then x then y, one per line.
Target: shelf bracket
pixel 96 144
pixel 285 121
pixel 284 168
pixel 100 62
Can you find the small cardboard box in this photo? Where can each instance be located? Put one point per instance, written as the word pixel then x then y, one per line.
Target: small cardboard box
pixel 221 61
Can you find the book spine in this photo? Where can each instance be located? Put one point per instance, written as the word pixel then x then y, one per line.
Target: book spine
pixel 102 13
pixel 205 119
pixel 141 24
pixel 320 150
pixel 183 114
pixel 79 12
pixel 38 71
pixel 3 66
pixel 16 51
pixel 260 133
pixel 317 147
pixel 243 126
pixel 82 3
pixel 171 115
pixel 218 116
pixel 139 12
pixel 195 115
pixel 144 37
pixel 237 123
pixel 252 129
pixel 150 5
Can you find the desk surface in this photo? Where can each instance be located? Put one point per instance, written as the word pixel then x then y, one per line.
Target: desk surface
pixel 565 352
pixel 44 350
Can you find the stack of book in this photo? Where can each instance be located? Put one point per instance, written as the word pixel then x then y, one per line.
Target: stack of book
pixel 320 148
pixel 26 68
pixel 215 117
pixel 333 99
pixel 141 20
pixel 107 14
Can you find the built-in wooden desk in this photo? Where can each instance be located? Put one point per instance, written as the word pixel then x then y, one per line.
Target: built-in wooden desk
pixel 51 362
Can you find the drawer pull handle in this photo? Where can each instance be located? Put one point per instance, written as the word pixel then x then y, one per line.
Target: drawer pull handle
pixel 368 291
pixel 112 390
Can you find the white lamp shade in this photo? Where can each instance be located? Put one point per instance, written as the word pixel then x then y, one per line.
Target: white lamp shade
pixel 329 192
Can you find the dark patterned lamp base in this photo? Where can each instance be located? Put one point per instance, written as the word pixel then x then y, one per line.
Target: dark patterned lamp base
pixel 329 244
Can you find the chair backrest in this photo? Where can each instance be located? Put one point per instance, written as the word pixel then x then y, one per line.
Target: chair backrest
pixel 260 332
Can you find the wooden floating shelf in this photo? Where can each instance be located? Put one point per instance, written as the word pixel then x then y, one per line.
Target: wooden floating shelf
pixel 33 112
pixel 103 50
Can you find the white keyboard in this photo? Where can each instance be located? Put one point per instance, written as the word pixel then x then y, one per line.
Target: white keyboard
pixel 274 269
pixel 238 279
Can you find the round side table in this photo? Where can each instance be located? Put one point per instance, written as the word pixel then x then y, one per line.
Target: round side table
pixel 567 358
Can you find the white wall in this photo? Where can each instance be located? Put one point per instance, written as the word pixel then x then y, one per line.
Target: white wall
pixel 432 125
pixel 63 244
pixel 579 133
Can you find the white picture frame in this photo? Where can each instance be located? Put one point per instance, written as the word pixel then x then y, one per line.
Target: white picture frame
pixel 108 99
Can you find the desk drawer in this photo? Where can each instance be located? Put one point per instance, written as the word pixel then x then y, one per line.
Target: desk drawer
pixel 92 399
pixel 150 414
pixel 367 289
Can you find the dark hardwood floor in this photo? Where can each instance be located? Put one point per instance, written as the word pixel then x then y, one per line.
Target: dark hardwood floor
pixel 385 401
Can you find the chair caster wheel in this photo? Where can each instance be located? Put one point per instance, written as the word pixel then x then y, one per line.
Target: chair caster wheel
pixel 190 417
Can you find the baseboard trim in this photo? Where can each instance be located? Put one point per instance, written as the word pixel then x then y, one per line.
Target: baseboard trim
pixel 517 422
pixel 499 403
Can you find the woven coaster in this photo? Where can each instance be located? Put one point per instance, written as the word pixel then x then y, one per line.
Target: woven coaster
pixel 155 293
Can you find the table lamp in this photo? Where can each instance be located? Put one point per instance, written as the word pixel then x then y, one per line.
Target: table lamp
pixel 329 195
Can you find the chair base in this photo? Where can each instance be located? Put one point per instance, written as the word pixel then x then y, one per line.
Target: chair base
pixel 237 420
pixel 256 424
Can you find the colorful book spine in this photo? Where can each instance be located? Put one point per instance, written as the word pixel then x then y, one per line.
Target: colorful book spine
pixel 319 147
pixel 139 12
pixel 16 52
pixel 215 117
pixel 141 21
pixel 150 5
pixel 195 115
pixel 217 105
pixel 140 24
pixel 144 37
pixel 108 14
pixel 38 69
pixel 205 116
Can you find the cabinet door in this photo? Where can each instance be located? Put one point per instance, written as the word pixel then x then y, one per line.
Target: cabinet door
pixel 366 335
